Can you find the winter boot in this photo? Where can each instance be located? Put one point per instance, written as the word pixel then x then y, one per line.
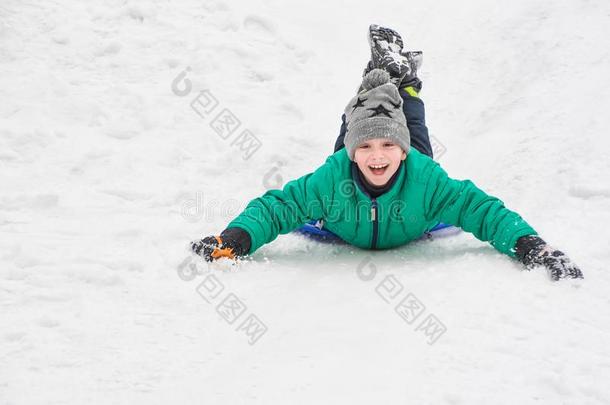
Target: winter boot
pixel 387 53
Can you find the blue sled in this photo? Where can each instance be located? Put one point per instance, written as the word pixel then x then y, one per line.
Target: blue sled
pixel 315 230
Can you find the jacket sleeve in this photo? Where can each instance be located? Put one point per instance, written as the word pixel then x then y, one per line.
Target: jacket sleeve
pixel 282 211
pixel 461 203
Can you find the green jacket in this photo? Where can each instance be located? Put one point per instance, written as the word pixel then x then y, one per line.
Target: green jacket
pixel 421 197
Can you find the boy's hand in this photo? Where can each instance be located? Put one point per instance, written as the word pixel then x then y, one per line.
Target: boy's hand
pixel 533 251
pixel 231 243
pixel 212 248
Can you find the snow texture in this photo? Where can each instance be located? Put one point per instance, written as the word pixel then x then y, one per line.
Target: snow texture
pixel 123 137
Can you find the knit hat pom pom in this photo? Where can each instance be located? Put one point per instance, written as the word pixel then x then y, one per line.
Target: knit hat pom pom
pixel 375 78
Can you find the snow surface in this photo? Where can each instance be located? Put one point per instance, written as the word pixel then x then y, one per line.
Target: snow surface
pixel 106 173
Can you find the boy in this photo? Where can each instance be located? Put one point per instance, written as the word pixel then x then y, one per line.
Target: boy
pixel 381 188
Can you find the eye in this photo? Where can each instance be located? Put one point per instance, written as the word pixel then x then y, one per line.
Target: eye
pixel 365 146
pixel 389 144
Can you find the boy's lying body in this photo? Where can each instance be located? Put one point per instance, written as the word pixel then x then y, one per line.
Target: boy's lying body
pixel 381 188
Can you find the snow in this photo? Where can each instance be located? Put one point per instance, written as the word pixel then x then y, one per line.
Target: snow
pixel 107 171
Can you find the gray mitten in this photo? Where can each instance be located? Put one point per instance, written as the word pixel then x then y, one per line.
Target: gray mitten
pixel 533 251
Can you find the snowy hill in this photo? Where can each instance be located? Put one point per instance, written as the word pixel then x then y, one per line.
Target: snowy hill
pixel 110 164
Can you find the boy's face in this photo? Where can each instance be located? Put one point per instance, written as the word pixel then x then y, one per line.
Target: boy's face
pixel 381 153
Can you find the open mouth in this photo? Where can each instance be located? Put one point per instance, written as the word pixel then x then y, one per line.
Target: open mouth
pixel 378 170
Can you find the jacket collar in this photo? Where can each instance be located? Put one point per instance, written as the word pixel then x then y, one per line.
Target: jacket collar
pixel 371 191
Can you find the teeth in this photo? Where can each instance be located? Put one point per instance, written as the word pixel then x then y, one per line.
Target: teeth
pixel 378 166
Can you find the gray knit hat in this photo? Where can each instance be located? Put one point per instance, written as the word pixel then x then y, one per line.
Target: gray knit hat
pixel 376 112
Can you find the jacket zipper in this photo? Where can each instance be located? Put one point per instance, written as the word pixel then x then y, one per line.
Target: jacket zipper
pixel 375 219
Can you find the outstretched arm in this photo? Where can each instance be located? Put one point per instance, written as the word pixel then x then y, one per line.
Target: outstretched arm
pixel 275 212
pixel 282 211
pixel 461 203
